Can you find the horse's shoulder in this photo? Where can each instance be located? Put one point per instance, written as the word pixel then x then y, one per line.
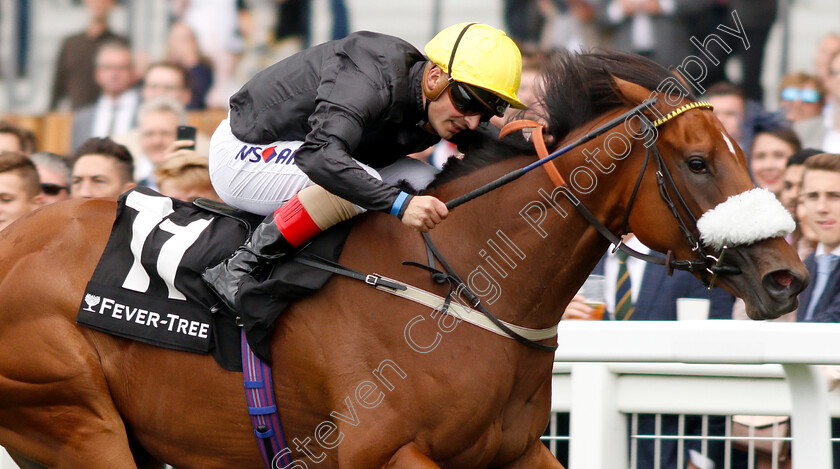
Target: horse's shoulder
pixel 90 219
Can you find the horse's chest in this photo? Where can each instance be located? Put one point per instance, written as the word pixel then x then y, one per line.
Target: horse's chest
pixel 503 429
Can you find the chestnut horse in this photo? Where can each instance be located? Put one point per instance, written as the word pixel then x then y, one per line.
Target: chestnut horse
pixel 364 379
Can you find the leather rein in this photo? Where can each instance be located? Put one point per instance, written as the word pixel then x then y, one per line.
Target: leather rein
pixel 705 263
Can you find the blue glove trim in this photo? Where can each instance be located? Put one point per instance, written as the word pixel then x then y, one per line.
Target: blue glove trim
pixel 396 208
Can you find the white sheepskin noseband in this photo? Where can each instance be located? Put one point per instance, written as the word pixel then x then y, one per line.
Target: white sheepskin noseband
pixel 745 219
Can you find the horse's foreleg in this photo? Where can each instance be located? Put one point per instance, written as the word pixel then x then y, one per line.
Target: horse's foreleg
pixel 537 457
pixel 410 457
pixel 55 404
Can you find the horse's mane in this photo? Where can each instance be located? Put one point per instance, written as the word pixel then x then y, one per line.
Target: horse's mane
pixel 576 88
pixel 573 89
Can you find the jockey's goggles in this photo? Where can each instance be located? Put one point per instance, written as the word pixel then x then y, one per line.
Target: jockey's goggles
pixel 470 100
pixel 806 95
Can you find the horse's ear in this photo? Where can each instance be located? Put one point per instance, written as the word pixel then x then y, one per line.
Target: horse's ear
pixel 630 93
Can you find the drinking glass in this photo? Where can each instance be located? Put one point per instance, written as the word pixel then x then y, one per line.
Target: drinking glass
pixel 594 294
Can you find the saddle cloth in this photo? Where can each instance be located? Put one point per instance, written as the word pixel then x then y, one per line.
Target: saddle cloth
pixel 147 285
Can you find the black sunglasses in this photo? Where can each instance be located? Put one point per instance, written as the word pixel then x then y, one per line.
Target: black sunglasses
pixel 470 100
pixel 53 189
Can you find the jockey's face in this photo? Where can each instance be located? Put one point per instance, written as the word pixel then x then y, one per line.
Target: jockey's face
pixel 446 120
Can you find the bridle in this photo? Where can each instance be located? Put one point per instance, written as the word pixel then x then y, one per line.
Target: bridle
pixel 709 264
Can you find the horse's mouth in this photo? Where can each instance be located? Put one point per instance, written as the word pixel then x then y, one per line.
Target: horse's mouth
pixel 782 287
pixel 767 295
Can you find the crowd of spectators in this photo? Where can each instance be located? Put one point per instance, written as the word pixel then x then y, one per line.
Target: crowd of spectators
pixel 125 113
pixel 792 151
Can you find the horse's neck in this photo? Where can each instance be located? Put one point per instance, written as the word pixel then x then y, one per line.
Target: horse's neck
pixel 526 256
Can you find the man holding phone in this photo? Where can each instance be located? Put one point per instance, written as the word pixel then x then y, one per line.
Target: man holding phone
pixel 186 133
pixel 160 135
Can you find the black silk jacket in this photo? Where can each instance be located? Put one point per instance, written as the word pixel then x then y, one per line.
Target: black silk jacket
pixel 357 97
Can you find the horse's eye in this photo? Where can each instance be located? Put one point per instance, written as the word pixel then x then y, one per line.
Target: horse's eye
pixel 697 165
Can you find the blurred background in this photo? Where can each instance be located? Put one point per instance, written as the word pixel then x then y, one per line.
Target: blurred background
pixel 240 37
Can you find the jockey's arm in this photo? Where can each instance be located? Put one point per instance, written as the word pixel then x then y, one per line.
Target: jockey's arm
pixel 337 125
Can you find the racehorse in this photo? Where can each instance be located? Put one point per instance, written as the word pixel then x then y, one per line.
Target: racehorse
pixel 364 379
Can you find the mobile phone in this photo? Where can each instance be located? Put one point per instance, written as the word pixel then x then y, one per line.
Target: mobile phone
pixel 186 132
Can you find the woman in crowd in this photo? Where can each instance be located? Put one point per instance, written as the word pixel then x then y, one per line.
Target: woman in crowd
pixel 183 49
pixel 770 151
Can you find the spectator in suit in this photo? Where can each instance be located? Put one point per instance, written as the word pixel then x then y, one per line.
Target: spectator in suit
pixel 74 71
pixel 167 79
pixel 165 92
pixel 828 46
pixel 183 51
pixel 730 107
pixel 820 197
pixel 802 97
pixel 657 29
pixel 831 136
pixel 221 42
pixel 115 110
pixel 820 302
pixel 14 138
pixel 803 237
pixel 793 178
pixel 757 18
pixel 741 117
pixel 54 172
pixel 655 298
pixel 101 168
pixel 158 121
pixel 20 188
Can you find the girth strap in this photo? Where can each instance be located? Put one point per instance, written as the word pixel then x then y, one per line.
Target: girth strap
pixel 479 317
pixel 259 392
pixel 473 298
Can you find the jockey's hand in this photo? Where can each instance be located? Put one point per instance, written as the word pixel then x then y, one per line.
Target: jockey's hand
pixel 424 212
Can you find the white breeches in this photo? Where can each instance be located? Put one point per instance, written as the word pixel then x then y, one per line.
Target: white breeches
pixel 261 178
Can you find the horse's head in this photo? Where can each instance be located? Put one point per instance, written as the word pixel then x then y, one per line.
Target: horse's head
pixel 721 209
pixel 676 179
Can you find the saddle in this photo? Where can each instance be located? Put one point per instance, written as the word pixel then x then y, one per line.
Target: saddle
pixel 147 285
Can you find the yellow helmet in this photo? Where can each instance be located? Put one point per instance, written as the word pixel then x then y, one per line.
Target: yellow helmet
pixel 479 55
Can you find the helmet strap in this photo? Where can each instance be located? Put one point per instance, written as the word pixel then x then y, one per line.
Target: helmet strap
pixel 441 85
pixel 431 94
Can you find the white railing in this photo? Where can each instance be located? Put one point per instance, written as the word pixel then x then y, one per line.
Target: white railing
pixel 606 370
pixel 5 461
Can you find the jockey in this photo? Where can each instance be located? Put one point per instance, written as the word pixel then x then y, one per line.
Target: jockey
pixel 303 136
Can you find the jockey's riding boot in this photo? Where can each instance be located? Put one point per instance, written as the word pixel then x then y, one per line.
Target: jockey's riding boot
pixel 305 215
pixel 266 245
pixel 288 228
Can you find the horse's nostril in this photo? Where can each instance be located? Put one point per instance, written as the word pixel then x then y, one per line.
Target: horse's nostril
pixel 783 283
pixel 783 277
